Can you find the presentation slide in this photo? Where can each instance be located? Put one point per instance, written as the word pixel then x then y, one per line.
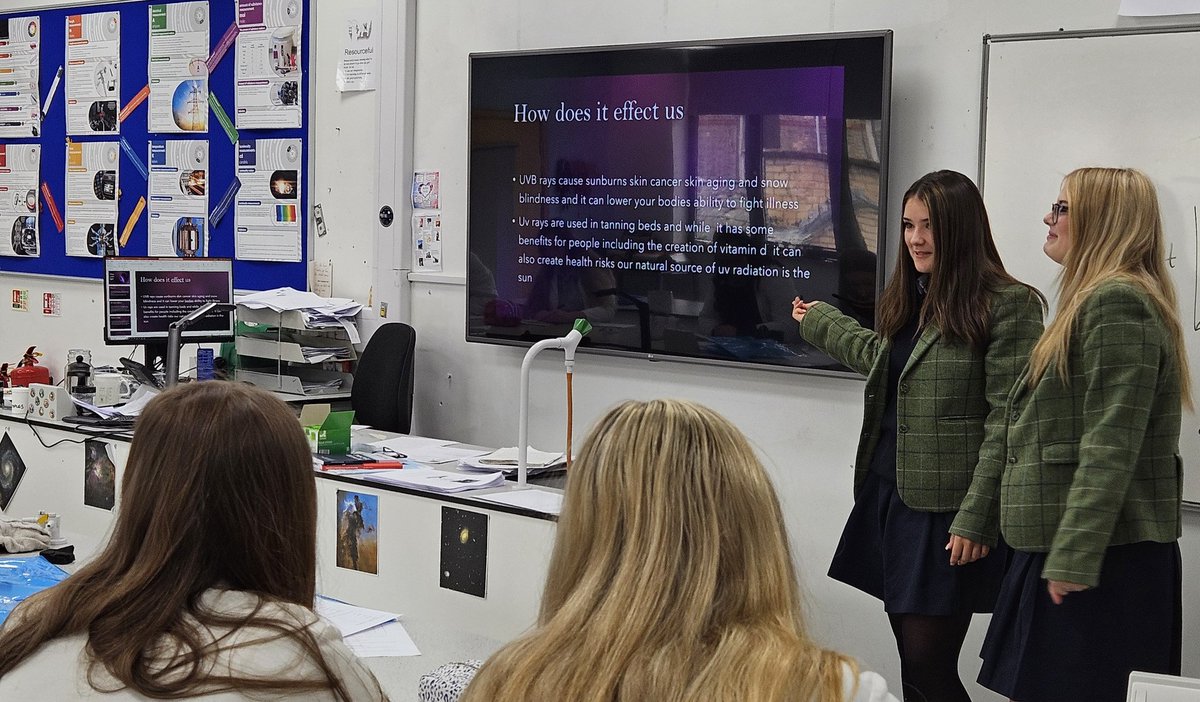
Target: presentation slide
pixel 680 212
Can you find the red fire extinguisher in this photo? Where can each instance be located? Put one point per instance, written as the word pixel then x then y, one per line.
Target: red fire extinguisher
pixel 28 371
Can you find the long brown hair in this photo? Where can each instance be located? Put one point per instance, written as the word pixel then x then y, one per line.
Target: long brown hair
pixel 671 577
pixel 967 268
pixel 218 491
pixel 1116 233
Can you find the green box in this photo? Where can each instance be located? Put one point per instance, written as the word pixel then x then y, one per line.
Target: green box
pixel 327 432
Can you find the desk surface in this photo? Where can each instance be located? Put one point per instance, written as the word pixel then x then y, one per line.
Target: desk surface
pixel 439 645
pixel 553 481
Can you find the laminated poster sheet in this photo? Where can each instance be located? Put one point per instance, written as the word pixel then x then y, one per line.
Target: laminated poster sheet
pixel 19 172
pixel 93 73
pixel 178 198
pixel 267 218
pixel 92 185
pixel 267 82
pixel 20 113
pixel 178 67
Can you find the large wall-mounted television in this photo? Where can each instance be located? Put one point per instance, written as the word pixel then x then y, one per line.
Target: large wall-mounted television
pixel 678 196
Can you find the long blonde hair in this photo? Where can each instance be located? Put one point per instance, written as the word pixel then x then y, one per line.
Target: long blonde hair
pixel 671 577
pixel 1116 233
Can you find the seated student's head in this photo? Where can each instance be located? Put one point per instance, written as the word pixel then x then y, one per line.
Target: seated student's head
pixel 671 576
pixel 217 492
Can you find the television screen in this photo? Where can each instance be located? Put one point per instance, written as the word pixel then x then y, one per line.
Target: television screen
pixel 142 296
pixel 678 196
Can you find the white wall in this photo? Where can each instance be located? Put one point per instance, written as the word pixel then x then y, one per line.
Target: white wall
pixel 805 426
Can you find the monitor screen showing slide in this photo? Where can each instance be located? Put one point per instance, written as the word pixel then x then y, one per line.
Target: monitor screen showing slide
pixel 678 196
pixel 142 296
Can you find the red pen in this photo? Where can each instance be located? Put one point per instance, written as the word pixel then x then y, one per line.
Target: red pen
pixel 375 465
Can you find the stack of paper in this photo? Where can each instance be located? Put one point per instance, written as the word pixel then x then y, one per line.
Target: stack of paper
pixel 437 480
pixel 315 354
pixel 425 450
pixel 313 387
pixel 132 407
pixel 319 312
pixel 505 459
pixel 367 632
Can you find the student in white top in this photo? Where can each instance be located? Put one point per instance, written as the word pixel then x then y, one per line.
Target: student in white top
pixel 206 585
pixel 671 579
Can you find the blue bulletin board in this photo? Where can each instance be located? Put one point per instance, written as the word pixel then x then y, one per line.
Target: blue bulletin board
pixel 134 30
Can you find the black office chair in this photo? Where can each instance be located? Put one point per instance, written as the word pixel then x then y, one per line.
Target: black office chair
pixel 382 394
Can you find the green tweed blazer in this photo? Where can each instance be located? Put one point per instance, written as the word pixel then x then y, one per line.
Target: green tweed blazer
pixel 949 399
pixel 1094 462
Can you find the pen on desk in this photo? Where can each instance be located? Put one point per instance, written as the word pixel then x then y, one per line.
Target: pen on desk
pixel 375 465
pixel 53 89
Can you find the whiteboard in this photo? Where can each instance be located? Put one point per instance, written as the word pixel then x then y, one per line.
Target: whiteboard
pixel 1055 102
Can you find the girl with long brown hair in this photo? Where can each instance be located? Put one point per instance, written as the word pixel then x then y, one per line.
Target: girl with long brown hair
pixel 206 585
pixel 953 331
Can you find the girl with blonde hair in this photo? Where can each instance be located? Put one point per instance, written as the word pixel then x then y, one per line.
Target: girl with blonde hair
pixel 671 578
pixel 206 585
pixel 1090 480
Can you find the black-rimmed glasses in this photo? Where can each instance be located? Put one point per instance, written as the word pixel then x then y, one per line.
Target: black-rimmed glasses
pixel 1058 208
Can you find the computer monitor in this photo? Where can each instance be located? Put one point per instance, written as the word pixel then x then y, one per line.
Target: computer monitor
pixel 142 296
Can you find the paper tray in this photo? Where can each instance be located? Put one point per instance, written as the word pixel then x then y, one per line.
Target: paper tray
pixel 290 382
pixel 290 350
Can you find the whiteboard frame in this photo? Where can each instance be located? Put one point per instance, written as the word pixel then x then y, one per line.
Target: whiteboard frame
pixel 989 39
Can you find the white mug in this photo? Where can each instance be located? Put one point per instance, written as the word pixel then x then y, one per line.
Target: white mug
pixel 112 388
pixel 19 400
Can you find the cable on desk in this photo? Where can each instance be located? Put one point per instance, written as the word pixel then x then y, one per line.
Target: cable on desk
pixel 33 428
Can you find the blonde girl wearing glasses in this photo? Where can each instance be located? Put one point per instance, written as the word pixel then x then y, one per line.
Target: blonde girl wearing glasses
pixel 1090 480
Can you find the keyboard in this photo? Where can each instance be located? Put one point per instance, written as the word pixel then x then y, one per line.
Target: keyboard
pixel 116 422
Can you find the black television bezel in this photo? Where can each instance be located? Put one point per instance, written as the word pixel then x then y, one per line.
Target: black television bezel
pixel 668 56
pixel 188 336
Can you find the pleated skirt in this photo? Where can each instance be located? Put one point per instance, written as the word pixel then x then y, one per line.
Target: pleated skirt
pixel 1085 648
pixel 898 555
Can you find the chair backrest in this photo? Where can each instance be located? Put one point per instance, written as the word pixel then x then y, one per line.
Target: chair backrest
pixel 382 393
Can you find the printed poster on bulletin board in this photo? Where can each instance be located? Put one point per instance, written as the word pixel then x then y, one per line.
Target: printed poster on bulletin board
pixel 92 187
pixel 93 73
pixel 267 216
pixel 19 168
pixel 178 67
pixel 269 42
pixel 178 198
pixel 20 113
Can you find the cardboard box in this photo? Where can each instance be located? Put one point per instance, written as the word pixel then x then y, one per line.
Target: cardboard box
pixel 328 432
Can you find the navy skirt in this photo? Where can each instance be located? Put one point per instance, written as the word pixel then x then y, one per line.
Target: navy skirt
pixel 899 555
pixel 1085 648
